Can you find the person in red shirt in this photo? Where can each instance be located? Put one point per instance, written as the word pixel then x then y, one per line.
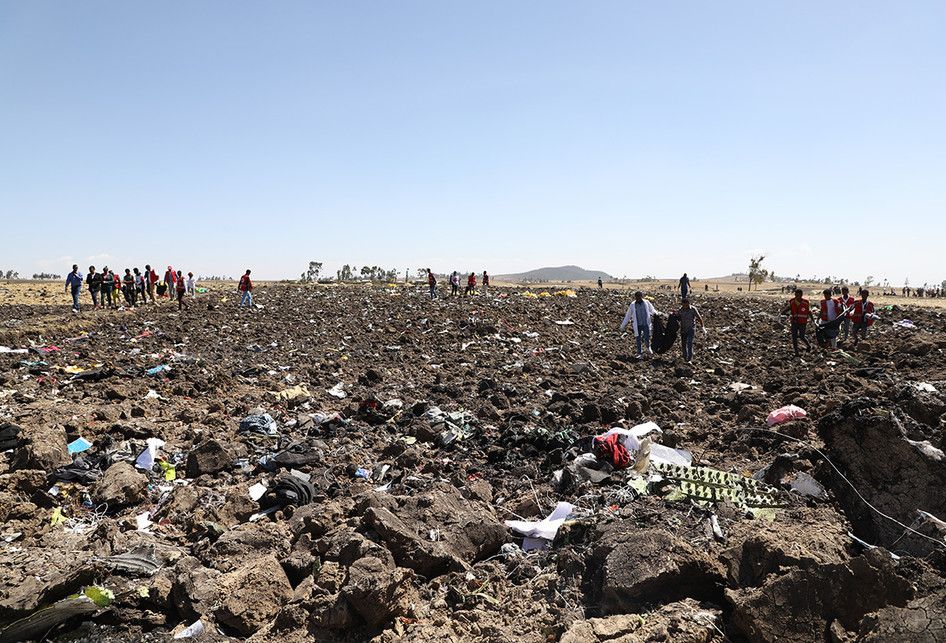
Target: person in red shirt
pixel 470 284
pixel 862 316
pixel 246 287
pixel 799 310
pixel 432 284
pixel 485 282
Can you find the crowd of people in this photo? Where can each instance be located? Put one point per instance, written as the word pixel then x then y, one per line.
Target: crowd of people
pixel 109 289
pixel 454 281
pixel 837 316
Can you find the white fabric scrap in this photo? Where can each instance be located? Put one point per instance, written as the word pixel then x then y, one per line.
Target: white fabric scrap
pixel 146 458
pixel 545 528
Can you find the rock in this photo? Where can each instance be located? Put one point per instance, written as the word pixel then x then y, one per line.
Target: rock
pixel 43 447
pixel 896 475
pixel 194 590
pixel 253 594
pixel 686 621
pixel 120 486
pixel 210 456
pixel 801 604
pixel 630 568
pixel 375 592
pixel 800 539
pixel 464 531
pixel 920 621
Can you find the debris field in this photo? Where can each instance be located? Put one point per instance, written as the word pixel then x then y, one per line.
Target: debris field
pixel 358 463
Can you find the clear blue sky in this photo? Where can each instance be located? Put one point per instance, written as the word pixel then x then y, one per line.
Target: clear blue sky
pixel 634 137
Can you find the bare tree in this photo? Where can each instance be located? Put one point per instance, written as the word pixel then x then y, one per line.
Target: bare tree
pixel 757 274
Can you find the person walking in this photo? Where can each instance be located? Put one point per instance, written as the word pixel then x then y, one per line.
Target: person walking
pixel 191 285
pixel 862 316
pixel 74 286
pixel 831 309
pixel 94 282
pixel 684 286
pixel 799 310
pixel 432 284
pixel 470 285
pixel 454 284
pixel 181 289
pixel 689 318
pixel 640 313
pixel 485 283
pixel 108 285
pixel 246 287
pixel 600 283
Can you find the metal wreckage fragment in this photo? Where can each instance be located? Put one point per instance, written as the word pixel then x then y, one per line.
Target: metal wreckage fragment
pixel 706 486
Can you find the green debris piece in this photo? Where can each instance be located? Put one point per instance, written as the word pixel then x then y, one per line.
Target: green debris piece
pixel 763 513
pixel 638 484
pixel 38 624
pixel 675 494
pixel 707 486
pixel 99 595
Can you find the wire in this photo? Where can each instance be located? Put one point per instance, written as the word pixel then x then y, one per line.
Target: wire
pixel 939 543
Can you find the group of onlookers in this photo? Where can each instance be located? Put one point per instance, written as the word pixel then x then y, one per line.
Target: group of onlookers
pixel 455 284
pixel 108 289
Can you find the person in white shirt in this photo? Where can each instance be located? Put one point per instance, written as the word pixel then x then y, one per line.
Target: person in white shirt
pixel 641 313
pixel 191 285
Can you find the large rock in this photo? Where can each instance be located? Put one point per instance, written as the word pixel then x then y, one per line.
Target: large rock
pixel 253 594
pixel 802 605
pixel 375 592
pixel 210 456
pixel 436 532
pixel 802 538
pixel 684 621
pixel 121 486
pixel 921 621
pixel 43 447
pixel 630 568
pixel 194 591
pixel 894 473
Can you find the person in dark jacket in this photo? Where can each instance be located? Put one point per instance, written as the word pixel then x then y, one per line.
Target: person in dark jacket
pixel 94 282
pixel 108 285
pixel 128 287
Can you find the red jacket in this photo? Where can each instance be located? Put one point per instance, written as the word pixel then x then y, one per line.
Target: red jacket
pixel 246 284
pixel 846 302
pixel 830 304
pixel 431 280
pixel 800 310
pixel 471 280
pixel 860 310
pixel 153 276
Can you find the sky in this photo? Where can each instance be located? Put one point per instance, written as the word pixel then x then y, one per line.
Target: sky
pixel 639 138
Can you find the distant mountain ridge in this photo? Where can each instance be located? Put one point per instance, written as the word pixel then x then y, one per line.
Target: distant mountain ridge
pixel 558 273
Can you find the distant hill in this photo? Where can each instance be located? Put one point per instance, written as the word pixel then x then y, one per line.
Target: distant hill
pixel 560 273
